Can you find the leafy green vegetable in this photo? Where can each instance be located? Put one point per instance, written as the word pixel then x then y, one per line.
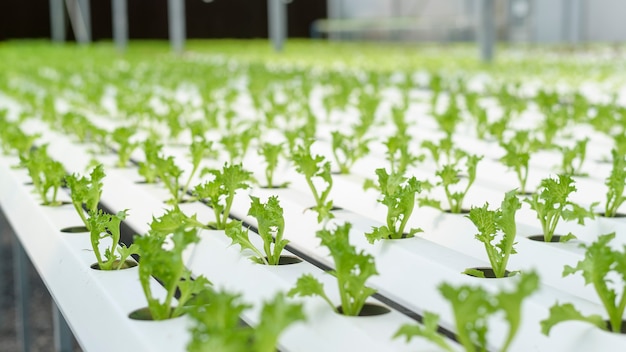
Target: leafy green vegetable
pixel 574 157
pixel 122 137
pixel 102 225
pixel 352 270
pixel 315 167
pixel 198 149
pixel 492 222
pixel 237 144
pixel 449 177
pixel 220 192
pixel 601 267
pixel 169 173
pixel 148 169
pixel 47 174
pixel 615 184
pixel 347 149
pixel 444 152
pixel 271 153
pixel 86 191
pixel 398 154
pixel 552 204
pixel 472 307
pixel 399 198
pixel 271 225
pixel 517 155
pixel 428 331
pixel 217 326
pixel 168 267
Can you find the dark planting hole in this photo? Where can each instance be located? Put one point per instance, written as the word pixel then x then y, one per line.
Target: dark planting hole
pixel 57 204
pixel 29 183
pixel 127 265
pixel 610 327
pixel 525 194
pixel 283 186
pixel 284 260
pixel 540 238
pixel 463 211
pixel 618 215
pixel 144 182
pixel 488 273
pixel 334 208
pixel 186 200
pixel 369 310
pixel 143 314
pixel 403 237
pixel 75 229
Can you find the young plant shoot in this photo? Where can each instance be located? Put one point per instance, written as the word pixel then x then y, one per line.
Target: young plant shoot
pixel 271 226
pixel 517 155
pixel 315 168
pixel 615 184
pixel 47 174
pixel 551 204
pixel 605 268
pixel 122 137
pixel 271 153
pixel 169 173
pixel 148 169
pixel 398 154
pixel 167 266
pixel 198 149
pixel 352 270
pixel 347 149
pixel 492 224
pixel 399 197
pixel 85 192
pixel 101 226
pixel 449 179
pixel 472 308
pixel 220 192
pixel 217 323
pixel 573 158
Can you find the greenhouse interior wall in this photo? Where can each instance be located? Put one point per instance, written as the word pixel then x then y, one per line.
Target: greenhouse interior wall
pixel 304 175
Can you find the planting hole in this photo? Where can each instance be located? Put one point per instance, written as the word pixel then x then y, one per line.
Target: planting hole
pixel 487 272
pixel 369 310
pixel 75 229
pixel 127 265
pixel 540 238
pixel 142 314
pixel 56 204
pixel 610 327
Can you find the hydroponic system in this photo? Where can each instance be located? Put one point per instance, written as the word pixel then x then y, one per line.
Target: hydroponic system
pixel 381 199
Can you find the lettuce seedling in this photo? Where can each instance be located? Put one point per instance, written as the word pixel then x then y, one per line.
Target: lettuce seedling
pixel 444 151
pixel 601 267
pixel 197 149
pixel 449 177
pixel 271 153
pixel 347 149
pixel 220 192
pixel 615 184
pixel 85 192
pixel 492 223
pixel 552 204
pixel 122 137
pixel 165 263
pixel 450 118
pixel 398 154
pixel 315 167
pixel 147 169
pixel 271 226
pixel 517 155
pixel 103 225
pixel 169 173
pixel 573 158
pixel 472 307
pixel 352 270
pixel 217 324
pixel 399 197
pixel 46 174
pixel 237 144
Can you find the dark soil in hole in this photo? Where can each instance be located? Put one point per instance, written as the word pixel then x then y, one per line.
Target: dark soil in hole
pixel 489 274
pixel 618 215
pixel 285 260
pixel 369 310
pixel 142 314
pixel 57 204
pixel 127 265
pixel 540 238
pixel 75 229
pixel 610 327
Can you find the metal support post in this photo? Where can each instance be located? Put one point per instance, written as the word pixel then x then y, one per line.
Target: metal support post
pixel 120 24
pixel 62 333
pixel 176 16
pixel 22 293
pixel 57 21
pixel 80 16
pixel 277 23
pixel 486 32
